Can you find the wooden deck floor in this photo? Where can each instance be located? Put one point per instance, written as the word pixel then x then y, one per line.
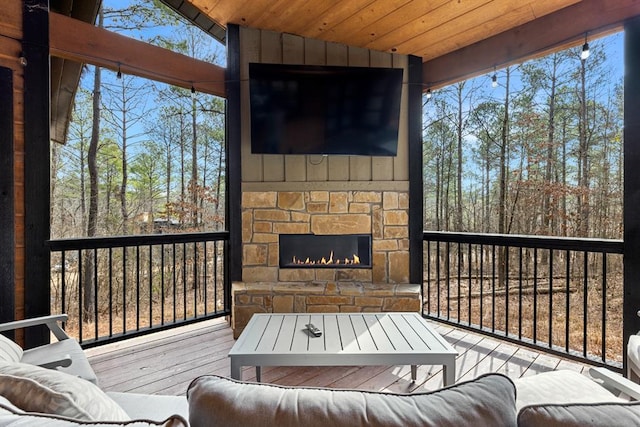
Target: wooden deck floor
pixel 166 362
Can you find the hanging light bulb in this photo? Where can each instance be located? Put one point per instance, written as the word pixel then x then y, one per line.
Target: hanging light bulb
pixel 494 80
pixel 585 51
pixel 119 74
pixel 428 93
pixel 193 92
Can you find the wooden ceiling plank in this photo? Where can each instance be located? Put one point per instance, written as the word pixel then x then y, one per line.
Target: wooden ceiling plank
pixel 265 14
pixel 371 13
pixel 490 19
pixel 565 27
pixel 304 20
pixel 397 19
pixel 464 32
pixel 324 25
pixel 76 40
pixel 436 18
pixel 219 11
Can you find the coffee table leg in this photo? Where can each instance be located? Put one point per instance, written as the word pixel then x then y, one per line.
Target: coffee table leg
pixel 414 372
pixel 449 372
pixel 236 370
pixel 259 374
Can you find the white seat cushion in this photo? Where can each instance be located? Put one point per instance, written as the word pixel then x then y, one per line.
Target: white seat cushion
pixel 154 407
pixel 560 387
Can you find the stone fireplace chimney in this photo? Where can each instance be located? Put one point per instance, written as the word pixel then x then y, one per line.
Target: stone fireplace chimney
pixel 321 196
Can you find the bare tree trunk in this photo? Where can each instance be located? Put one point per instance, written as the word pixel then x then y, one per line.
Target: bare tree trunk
pixel 194 166
pixel 459 227
pixel 88 266
pixel 583 195
pixel 502 197
pixel 125 168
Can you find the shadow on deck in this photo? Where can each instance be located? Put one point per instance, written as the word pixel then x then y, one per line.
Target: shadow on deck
pixel 166 362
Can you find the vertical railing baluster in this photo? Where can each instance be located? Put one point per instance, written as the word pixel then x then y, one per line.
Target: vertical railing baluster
pixel 137 287
pixel 535 295
pixel 438 276
pixel 428 279
pixel 175 283
pixel 184 281
pixel 459 279
pixel 204 277
pixel 520 277
pixel 604 306
pixel 195 280
pixel 63 283
pixel 162 283
pixel 95 294
pixel 585 302
pixel 216 249
pixel 493 288
pixel 80 305
pixel 481 285
pixel 567 300
pixel 550 298
pixel 150 286
pixel 448 277
pixel 506 290
pixel 469 291
pixel 110 292
pixel 124 290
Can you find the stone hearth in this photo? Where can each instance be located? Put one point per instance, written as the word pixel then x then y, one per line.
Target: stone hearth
pixel 320 298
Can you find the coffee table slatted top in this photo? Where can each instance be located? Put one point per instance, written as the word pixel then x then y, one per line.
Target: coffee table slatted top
pixel 347 339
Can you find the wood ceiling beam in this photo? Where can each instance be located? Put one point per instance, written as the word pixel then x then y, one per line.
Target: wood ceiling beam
pixel 562 29
pixel 76 40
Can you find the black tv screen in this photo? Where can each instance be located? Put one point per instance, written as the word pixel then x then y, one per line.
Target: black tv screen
pixel 303 109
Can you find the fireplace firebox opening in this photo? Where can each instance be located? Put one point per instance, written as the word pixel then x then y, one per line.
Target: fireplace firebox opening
pixel 325 251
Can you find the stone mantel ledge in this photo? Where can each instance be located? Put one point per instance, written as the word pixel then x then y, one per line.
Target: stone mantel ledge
pixel 319 297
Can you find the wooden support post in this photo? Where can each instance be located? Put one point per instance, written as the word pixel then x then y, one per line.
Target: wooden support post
pixel 7 213
pixel 631 321
pixel 35 48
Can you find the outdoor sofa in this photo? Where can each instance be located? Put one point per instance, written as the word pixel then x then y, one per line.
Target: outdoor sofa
pixel 32 395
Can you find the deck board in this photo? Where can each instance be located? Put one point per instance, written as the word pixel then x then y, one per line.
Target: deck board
pixel 166 362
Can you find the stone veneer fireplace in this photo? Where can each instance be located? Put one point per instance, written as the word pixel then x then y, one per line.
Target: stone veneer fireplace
pixel 269 287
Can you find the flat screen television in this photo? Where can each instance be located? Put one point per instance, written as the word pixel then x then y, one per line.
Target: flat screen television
pixel 303 109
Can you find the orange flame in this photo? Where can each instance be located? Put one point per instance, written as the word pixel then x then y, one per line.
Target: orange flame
pixel 324 261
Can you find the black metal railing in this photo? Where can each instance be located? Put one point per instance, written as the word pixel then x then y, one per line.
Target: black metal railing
pixel 117 287
pixel 560 295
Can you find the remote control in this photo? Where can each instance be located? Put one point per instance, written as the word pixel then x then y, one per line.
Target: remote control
pixel 314 331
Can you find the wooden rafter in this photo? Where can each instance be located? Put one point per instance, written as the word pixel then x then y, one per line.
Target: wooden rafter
pixel 79 41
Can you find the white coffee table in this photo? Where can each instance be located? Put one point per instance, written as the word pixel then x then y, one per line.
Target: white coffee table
pixel 348 339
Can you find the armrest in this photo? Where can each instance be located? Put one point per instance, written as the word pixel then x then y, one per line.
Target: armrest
pixel 65 362
pixel 51 322
pixel 617 382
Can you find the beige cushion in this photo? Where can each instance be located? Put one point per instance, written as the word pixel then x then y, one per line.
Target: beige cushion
pixel 581 415
pixel 9 416
pixel 560 387
pixel 9 350
pixel 35 389
pixel 216 401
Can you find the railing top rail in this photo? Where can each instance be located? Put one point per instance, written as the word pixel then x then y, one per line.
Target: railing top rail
pixel 134 240
pixel 516 240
